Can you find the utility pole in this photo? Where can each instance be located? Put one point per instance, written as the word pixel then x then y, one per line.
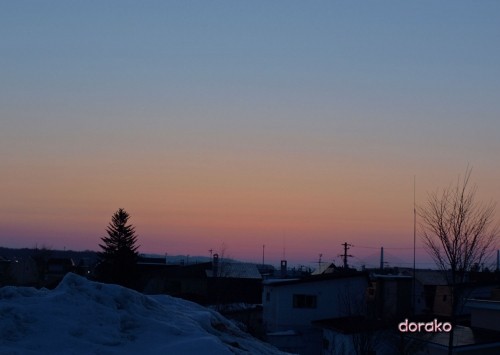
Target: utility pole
pixel 263 250
pixel 345 255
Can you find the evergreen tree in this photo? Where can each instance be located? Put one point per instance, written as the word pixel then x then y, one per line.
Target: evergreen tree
pixel 119 254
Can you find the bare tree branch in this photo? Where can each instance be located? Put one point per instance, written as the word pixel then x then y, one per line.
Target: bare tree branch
pixel 458 233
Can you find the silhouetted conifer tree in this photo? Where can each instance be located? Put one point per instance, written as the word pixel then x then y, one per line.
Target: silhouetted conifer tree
pixel 119 254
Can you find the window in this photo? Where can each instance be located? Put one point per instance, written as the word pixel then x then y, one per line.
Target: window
pixel 304 301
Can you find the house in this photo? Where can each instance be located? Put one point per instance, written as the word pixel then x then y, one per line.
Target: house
pixel 230 282
pixel 390 296
pixel 5 277
pixel 483 334
pixel 209 283
pixel 325 268
pixel 291 305
pixel 428 283
pixel 466 341
pixel 485 314
pixel 56 269
pixel 296 302
pixel 433 294
pixel 357 335
pixel 24 272
pixel 443 298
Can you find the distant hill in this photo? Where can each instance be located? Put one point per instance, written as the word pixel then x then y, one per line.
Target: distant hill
pixel 22 253
pixel 182 259
pixel 12 254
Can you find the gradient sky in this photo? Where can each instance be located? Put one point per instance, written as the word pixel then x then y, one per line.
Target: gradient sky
pixel 230 124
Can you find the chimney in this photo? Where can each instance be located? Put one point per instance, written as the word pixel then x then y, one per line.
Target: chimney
pixel 215 265
pixel 498 260
pixel 283 268
pixel 382 258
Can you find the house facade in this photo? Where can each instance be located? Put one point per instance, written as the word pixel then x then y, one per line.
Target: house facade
pixel 357 335
pixel 485 314
pixel 291 305
pixel 211 283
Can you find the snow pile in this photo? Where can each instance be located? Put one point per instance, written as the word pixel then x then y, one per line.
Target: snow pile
pixel 84 317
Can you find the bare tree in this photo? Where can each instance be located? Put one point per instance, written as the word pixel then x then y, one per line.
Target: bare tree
pixel 457 232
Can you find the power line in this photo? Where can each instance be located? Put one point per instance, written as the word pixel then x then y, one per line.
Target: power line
pixel 394 248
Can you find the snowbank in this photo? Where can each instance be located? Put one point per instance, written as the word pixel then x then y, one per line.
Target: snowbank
pixel 84 317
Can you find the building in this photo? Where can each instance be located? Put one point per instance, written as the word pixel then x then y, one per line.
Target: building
pixel 211 283
pixel 390 296
pixel 291 305
pixel 357 335
pixel 56 269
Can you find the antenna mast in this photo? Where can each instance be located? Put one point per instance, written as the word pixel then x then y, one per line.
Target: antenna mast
pixel 414 242
pixel 284 248
pixel 263 248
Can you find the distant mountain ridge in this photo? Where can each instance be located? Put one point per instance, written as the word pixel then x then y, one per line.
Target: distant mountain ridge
pixel 21 253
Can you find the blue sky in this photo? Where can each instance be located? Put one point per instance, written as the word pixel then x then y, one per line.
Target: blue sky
pixel 246 122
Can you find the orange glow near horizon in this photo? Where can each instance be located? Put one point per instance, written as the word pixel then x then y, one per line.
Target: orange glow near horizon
pixel 242 207
pixel 217 199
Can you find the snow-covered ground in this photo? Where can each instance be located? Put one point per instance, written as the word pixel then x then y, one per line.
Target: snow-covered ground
pixel 85 317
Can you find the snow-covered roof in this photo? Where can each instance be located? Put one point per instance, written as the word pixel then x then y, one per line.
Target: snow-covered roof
pixel 236 270
pixel 84 317
pixel 325 268
pixel 316 278
pixel 431 277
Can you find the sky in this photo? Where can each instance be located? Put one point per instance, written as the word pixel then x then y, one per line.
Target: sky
pixel 230 125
